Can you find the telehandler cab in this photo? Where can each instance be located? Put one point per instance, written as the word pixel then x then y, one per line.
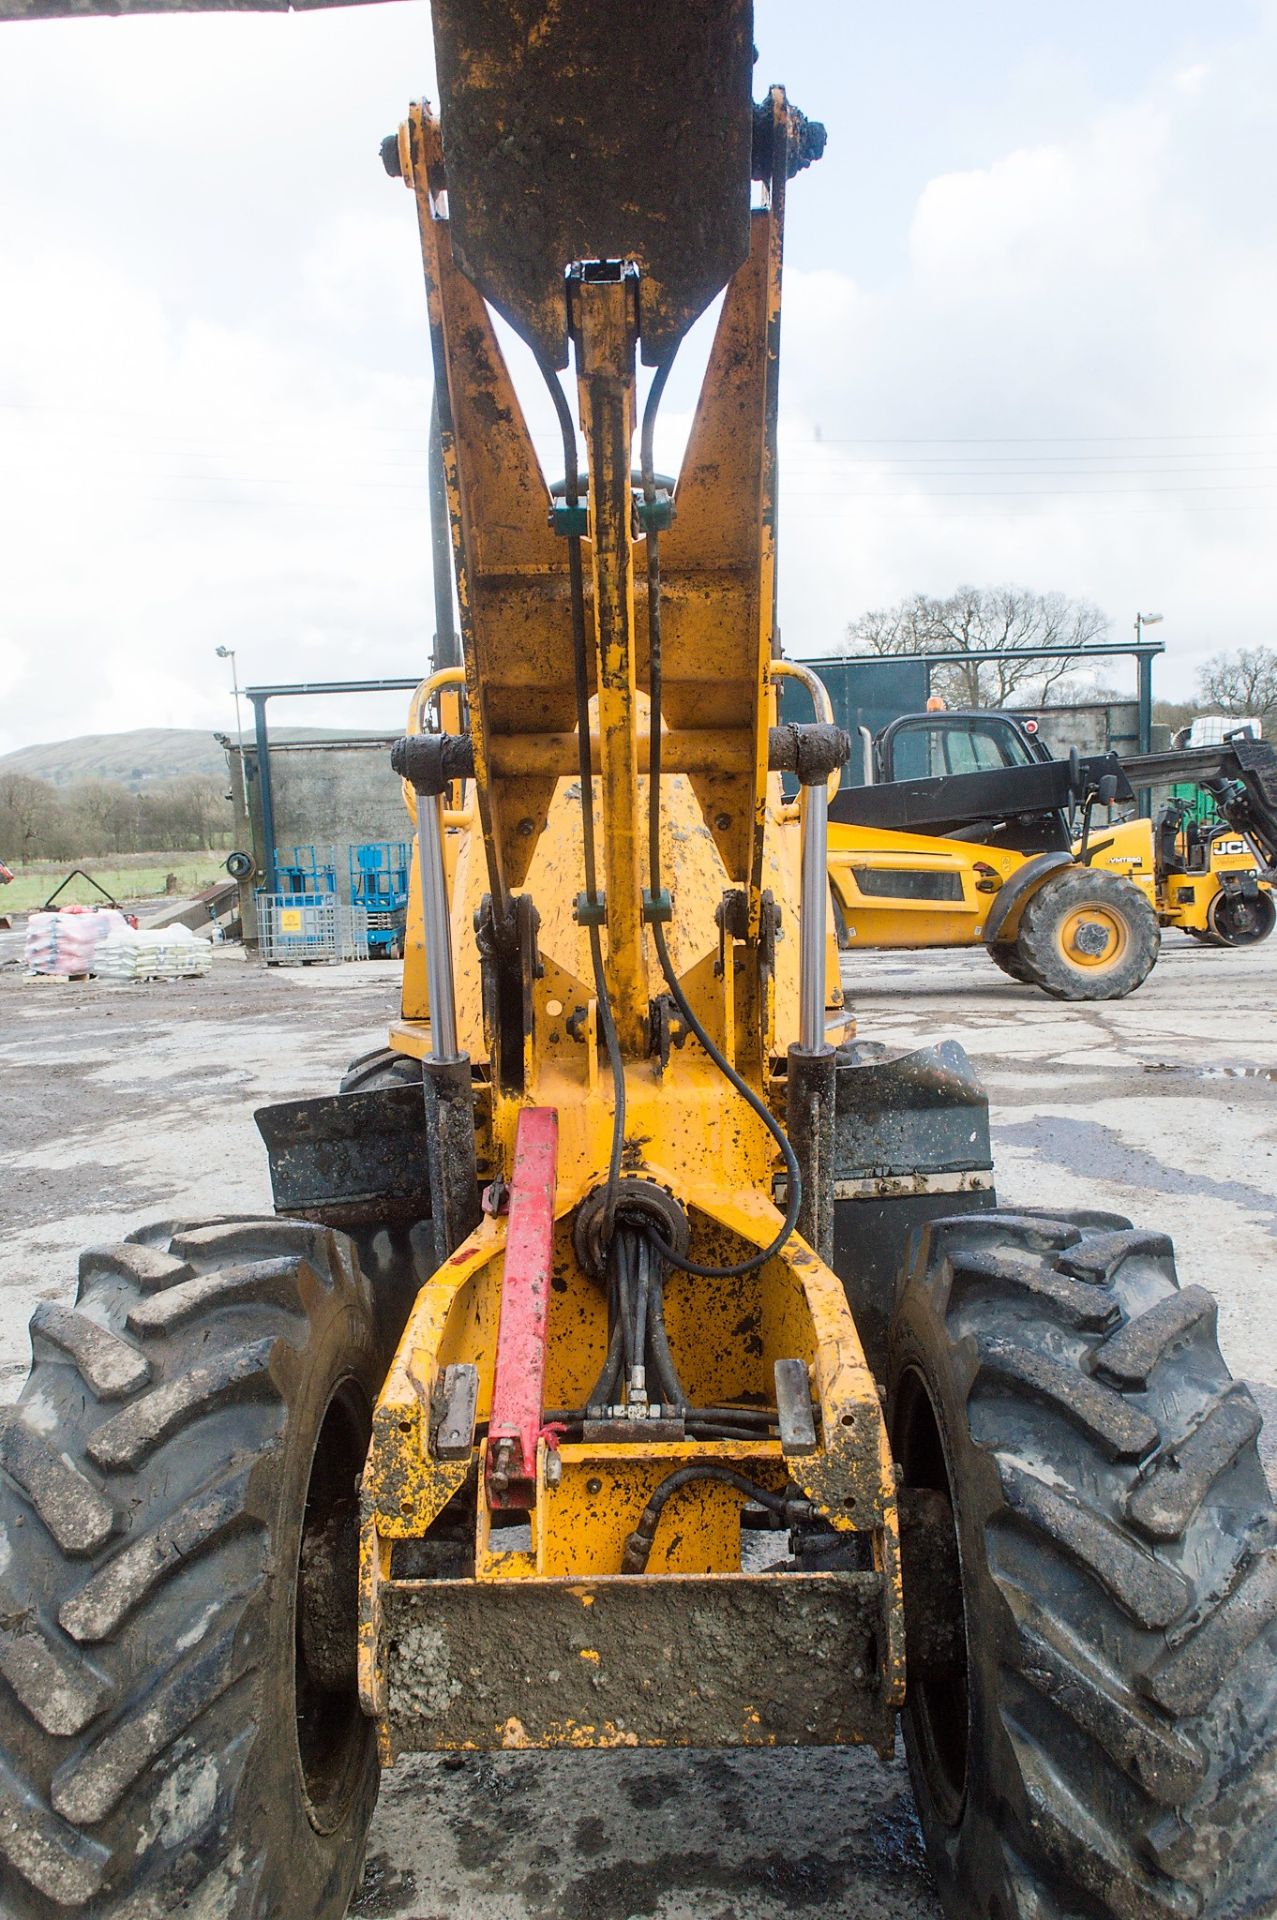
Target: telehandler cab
pixel 626 1364
pixel 972 833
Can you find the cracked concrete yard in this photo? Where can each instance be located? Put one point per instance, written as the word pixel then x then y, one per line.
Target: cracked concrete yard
pixel 120 1104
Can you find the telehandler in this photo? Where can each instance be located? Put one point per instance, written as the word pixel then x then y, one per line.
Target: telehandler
pixel 972 833
pixel 627 1365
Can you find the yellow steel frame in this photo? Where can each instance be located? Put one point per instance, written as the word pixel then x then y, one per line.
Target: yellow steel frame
pixel 723 829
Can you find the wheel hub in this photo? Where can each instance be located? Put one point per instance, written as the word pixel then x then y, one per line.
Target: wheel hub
pixel 1092 939
pixel 1093 936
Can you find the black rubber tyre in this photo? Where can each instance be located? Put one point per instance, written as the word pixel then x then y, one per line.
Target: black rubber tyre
pixel 1108 1747
pixel 167 1747
pixel 841 933
pixel 397 1260
pixel 1077 907
pixel 1006 957
pixel 1236 921
pixel 383 1067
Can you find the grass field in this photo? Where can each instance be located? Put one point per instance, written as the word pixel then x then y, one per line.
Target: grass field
pixel 135 876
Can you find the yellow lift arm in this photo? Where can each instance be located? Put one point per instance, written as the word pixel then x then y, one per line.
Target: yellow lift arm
pixel 633 971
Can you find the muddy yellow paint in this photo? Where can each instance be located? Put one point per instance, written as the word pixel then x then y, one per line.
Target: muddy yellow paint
pixel 724 831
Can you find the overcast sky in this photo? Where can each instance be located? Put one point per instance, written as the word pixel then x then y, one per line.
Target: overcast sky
pixel 1028 338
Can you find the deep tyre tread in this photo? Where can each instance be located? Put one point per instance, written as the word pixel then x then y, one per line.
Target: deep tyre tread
pixel 1045 962
pixel 1003 954
pixel 1119 1552
pixel 383 1067
pixel 153 1484
pixel 398 1261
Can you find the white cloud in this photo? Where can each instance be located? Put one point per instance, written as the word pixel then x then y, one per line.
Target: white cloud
pixel 1098 302
pixel 214 369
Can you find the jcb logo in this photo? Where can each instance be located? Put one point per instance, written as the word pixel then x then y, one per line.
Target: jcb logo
pixel 1231 846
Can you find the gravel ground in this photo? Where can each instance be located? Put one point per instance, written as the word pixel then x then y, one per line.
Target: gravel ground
pixel 120 1104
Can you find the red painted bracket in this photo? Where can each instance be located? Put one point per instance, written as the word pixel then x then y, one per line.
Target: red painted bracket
pixel 518 1382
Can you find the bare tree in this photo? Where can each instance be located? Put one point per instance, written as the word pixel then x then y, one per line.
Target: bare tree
pixel 1242 683
pixel 87 819
pixel 986 620
pixel 26 807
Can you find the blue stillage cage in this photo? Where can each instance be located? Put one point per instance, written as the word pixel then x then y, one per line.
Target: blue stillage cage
pixel 298 922
pixel 379 884
pixel 306 869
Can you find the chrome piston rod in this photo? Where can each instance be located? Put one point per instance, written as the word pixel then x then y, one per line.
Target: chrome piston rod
pixel 440 981
pixel 815 881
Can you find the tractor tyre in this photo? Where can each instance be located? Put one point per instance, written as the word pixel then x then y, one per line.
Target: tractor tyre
pixel 842 927
pixel 1006 957
pixel 398 1260
pixel 1104 1741
pixel 1236 921
pixel 180 1731
pixel 1087 936
pixel 383 1067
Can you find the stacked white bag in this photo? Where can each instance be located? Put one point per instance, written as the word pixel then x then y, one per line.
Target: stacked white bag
pixel 67 939
pixel 165 953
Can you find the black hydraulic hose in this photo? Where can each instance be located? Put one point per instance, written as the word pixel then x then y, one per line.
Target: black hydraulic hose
pixel 720 1430
pixel 604 1390
pixel 625 1298
pixel 642 1293
pixel 580 663
pixel 741 1416
pixel 572 1428
pixel 658 1344
pixel 639 1544
pixel 753 1422
pixel 792 1173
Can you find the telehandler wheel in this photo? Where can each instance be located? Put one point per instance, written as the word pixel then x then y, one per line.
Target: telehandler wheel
pixel 383 1067
pixel 1236 921
pixel 1006 957
pixel 1088 936
pixel 1108 1745
pixel 179 1727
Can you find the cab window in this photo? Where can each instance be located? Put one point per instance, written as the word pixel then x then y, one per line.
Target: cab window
pixel 955 746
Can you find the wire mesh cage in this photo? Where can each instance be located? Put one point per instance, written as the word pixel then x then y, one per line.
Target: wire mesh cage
pixel 298 929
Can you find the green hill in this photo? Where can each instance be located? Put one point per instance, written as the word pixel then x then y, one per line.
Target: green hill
pixel 146 755
pixel 135 759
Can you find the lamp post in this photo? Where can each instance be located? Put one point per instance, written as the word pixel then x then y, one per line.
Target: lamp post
pixel 228 653
pixel 1144 671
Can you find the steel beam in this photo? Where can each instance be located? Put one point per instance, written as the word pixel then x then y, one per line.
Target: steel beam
pixel 604 314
